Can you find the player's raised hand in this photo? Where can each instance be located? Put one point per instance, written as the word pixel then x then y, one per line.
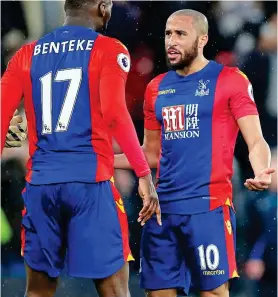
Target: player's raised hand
pixel 261 182
pixel 17 132
pixel 150 200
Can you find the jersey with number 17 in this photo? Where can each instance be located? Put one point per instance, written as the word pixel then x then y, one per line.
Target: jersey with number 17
pixel 69 140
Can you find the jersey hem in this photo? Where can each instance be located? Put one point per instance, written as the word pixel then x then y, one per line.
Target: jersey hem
pixel 210 288
pixel 50 182
pixel 180 208
pixel 98 275
pixel 33 267
pixel 181 290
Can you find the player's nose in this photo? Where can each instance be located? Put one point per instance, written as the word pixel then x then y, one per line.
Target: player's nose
pixel 171 42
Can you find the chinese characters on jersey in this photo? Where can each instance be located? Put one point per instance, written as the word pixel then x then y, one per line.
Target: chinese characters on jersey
pixel 181 121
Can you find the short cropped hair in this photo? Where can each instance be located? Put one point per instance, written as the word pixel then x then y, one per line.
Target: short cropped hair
pixel 76 4
pixel 199 20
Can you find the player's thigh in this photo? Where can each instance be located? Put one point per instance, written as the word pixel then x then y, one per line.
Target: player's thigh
pixel 162 264
pixel 39 284
pixel 211 251
pixel 115 285
pixel 162 293
pixel 98 230
pixel 221 291
pixel 43 232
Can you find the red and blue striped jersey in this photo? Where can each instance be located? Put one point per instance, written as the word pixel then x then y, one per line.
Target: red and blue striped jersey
pixel 70 82
pixel 197 116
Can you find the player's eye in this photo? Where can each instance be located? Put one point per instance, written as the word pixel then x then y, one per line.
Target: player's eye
pixel 167 33
pixel 181 33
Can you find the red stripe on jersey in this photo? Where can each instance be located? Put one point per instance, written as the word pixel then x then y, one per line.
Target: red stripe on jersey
pixel 224 133
pixel 158 165
pixel 150 121
pixel 29 107
pixel 101 140
pixel 123 222
pixel 23 235
pixel 230 243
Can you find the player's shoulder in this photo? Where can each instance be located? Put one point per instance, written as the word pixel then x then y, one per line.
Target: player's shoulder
pixel 112 44
pixel 29 47
pixel 155 82
pixel 24 52
pixel 113 50
pixel 237 81
pixel 234 73
pixel 151 92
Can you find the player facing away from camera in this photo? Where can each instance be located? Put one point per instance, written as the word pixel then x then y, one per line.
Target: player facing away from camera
pixel 73 83
pixel 192 117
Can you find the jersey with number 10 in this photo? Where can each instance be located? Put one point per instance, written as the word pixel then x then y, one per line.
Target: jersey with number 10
pixel 197 116
pixel 68 138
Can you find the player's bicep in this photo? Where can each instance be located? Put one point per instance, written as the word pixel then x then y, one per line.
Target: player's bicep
pixel 150 120
pixel 115 66
pixel 116 60
pixel 250 128
pixel 11 89
pixel 112 96
pixel 152 141
pixel 241 101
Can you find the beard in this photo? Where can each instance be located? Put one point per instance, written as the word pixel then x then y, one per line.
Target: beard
pixel 186 59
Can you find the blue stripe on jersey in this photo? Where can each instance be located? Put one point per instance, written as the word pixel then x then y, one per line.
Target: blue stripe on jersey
pixel 184 106
pixel 61 99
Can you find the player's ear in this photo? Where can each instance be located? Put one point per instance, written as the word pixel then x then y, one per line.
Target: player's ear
pixel 203 40
pixel 102 8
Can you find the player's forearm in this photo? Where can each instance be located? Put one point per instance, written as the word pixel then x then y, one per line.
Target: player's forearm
pixel 120 124
pixel 133 157
pixel 259 155
pixel 4 130
pixel 258 249
pixel 6 116
pixel 11 94
pixel 121 161
pixel 151 156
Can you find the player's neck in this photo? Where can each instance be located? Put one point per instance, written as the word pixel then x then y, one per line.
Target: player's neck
pixel 77 20
pixel 198 64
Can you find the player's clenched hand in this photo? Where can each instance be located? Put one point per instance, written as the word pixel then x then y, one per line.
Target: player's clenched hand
pixel 17 131
pixel 261 182
pixel 150 200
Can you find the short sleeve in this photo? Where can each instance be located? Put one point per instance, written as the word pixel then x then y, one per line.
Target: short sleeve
pixel 241 95
pixel 151 122
pixel 116 59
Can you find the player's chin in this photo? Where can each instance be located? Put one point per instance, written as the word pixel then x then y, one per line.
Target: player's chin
pixel 175 65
